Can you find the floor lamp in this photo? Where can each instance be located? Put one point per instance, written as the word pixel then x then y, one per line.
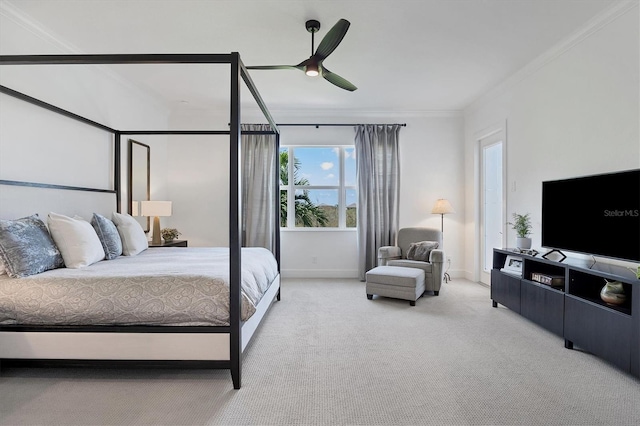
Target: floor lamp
pixel 443 207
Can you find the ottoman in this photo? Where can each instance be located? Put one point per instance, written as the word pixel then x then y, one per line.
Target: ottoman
pixel 395 281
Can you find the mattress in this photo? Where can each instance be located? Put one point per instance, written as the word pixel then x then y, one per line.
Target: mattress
pixel 172 286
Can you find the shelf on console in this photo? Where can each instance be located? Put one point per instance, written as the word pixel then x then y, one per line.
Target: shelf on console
pixel 545 286
pixel 587 286
pixel 623 309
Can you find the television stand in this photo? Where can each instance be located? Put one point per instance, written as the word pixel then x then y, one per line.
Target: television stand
pixel 571 306
pixel 544 256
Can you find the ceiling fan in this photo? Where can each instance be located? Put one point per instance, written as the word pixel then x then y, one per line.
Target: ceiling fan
pixel 313 66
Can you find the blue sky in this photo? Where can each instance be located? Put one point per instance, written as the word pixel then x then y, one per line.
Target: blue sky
pixel 321 166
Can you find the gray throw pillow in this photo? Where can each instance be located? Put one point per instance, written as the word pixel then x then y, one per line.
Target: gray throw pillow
pixel 108 235
pixel 26 247
pixel 421 250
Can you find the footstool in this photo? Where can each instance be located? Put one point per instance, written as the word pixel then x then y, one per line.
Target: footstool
pixel 395 281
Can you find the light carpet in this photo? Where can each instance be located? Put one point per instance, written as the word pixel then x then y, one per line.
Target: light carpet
pixel 326 355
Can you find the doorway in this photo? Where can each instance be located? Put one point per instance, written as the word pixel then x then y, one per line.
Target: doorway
pixel 492 200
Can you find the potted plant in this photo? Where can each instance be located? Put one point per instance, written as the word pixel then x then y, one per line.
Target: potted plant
pixel 169 234
pixel 522 225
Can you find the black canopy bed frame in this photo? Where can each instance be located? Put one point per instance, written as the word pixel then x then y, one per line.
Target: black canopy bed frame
pixel 237 339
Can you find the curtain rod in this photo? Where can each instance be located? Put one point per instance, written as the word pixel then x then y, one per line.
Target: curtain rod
pixel 317 125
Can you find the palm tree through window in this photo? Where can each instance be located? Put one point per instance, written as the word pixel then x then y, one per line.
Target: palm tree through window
pixel 322 188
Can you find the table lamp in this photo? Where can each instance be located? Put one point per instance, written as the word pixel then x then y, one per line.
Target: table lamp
pixel 155 209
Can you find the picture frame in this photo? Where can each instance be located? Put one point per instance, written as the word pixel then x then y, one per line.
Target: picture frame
pixel 513 265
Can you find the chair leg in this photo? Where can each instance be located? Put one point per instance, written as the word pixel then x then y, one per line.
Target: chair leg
pixel 370 296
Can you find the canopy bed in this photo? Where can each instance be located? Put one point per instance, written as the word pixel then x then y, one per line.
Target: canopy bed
pixel 187 338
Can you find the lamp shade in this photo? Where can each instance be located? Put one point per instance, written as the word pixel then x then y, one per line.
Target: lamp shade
pixel 155 208
pixel 442 206
pixel 135 208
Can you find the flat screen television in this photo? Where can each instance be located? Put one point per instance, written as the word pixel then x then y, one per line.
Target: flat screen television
pixel 597 215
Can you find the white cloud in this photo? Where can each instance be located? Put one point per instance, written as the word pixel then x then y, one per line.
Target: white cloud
pixel 326 165
pixel 336 151
pixel 330 176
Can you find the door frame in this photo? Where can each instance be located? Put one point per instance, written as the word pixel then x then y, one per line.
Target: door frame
pixel 496 130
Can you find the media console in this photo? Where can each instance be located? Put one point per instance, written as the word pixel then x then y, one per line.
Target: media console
pixel 573 311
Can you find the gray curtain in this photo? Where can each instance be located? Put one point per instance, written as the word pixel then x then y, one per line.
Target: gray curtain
pixel 258 179
pixel 378 166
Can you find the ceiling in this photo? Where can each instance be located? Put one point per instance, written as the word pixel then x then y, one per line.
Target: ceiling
pixel 404 55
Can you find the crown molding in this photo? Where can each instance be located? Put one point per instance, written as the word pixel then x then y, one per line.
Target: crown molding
pixel 592 26
pixel 28 23
pixel 20 18
pixel 354 113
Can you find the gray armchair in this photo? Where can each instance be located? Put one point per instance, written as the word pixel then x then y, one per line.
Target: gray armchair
pixel 397 255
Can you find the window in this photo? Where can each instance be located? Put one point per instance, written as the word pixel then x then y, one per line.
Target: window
pixel 323 187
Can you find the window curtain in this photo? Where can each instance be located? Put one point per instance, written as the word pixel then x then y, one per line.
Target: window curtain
pixel 258 200
pixel 378 169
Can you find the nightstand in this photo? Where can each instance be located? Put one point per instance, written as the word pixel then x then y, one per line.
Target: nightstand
pixel 174 243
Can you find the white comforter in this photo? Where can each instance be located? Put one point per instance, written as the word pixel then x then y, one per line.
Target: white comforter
pixel 160 286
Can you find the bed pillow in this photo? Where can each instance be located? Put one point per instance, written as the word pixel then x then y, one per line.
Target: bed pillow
pixel 108 235
pixel 76 239
pixel 131 233
pixel 421 251
pixel 26 247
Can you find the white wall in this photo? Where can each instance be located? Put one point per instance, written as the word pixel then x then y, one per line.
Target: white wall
pixel 572 112
pixel 37 145
pixel 193 171
pixel 198 185
pixel 431 149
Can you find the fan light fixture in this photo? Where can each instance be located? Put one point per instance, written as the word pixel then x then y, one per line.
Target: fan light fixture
pixel 314 66
pixel 312 70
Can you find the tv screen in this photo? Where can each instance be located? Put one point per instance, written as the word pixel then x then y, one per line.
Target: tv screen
pixel 598 215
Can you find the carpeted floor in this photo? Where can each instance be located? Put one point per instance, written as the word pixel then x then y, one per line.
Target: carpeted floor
pixel 328 356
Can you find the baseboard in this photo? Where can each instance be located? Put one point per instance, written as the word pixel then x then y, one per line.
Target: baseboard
pixel 456 273
pixel 319 273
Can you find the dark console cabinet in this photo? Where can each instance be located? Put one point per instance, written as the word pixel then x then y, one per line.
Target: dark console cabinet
pixel 574 311
pixel 542 305
pixel 505 289
pixel 601 331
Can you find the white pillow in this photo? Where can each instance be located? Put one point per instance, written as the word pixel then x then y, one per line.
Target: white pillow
pixel 131 233
pixel 76 239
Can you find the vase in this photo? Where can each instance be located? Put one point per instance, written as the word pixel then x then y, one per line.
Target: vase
pixel 523 242
pixel 168 240
pixel 613 293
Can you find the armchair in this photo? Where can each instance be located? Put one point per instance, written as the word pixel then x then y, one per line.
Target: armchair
pixel 397 255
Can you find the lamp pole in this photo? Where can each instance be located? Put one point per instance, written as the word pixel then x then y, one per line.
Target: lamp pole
pixel 442 207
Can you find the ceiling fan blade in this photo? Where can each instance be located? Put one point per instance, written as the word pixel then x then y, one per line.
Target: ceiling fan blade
pixel 274 67
pixel 332 39
pixel 337 80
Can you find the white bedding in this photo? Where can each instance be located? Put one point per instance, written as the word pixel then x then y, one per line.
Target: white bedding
pixel 161 286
